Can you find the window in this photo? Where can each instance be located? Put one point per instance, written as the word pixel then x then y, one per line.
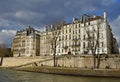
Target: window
pixel 69 30
pixel 69 36
pixel 59 38
pixel 79 43
pixel 79 36
pixel 75 26
pixel 73 37
pixel 59 51
pixel 79 30
pixel 84 45
pixel 63 44
pixel 73 31
pixel 62 37
pixel 66 30
pixel 102 44
pixel 62 50
pixel 84 37
pixel 63 31
pixel 66 37
pixel 76 31
pixel 101 35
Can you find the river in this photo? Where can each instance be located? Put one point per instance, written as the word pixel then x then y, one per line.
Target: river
pixel 20 76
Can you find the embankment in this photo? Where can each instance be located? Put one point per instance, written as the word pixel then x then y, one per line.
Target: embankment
pixel 73 71
pixel 17 61
pixel 79 61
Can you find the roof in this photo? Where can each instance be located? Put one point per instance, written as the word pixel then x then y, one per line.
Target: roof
pixel 94 18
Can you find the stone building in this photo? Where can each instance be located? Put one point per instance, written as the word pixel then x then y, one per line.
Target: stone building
pixel 45 44
pixel 26 42
pixel 73 38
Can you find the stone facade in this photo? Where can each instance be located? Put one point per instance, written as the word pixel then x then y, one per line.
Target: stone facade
pixel 26 42
pixel 73 38
pixel 77 61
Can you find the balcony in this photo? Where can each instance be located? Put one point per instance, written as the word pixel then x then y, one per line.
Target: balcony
pixel 76 45
pixel 76 39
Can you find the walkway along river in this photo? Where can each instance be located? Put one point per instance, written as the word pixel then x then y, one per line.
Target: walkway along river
pixel 20 76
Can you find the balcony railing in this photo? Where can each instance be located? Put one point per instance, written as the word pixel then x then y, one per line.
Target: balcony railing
pixel 76 45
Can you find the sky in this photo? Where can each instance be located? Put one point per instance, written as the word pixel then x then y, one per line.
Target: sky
pixel 18 14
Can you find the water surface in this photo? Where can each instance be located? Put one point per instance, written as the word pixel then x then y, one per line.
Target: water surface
pixel 20 76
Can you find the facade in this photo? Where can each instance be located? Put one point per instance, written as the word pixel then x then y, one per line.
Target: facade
pixel 115 48
pixel 45 43
pixel 26 43
pixel 73 38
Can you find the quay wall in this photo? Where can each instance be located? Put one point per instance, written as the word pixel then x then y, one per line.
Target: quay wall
pixel 80 61
pixel 84 62
pixel 17 61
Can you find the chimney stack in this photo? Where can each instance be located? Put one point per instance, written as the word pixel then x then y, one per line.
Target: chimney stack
pixel 105 15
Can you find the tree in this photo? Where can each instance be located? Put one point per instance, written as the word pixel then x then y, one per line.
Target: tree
pixel 10 54
pixel 93 44
pixel 55 29
pixel 3 49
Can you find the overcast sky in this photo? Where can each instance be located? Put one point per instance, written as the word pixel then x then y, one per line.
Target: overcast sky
pixel 18 14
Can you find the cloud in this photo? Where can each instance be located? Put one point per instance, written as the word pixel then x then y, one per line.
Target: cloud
pixel 6 36
pixel 115 25
pixel 44 11
pixel 18 14
pixel 108 2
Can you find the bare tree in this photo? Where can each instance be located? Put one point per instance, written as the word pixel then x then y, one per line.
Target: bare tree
pixel 3 49
pixel 93 44
pixel 55 28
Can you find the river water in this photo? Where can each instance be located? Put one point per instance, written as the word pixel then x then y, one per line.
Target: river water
pixel 20 76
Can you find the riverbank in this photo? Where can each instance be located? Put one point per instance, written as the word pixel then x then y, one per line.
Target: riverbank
pixel 73 71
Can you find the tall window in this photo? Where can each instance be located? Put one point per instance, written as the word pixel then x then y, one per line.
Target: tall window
pixel 66 37
pixel 69 30
pixel 76 31
pixel 63 31
pixel 59 38
pixel 63 37
pixel 79 36
pixel 79 30
pixel 84 45
pixel 84 37
pixel 102 44
pixel 73 31
pixel 66 30
pixel 69 37
pixel 73 37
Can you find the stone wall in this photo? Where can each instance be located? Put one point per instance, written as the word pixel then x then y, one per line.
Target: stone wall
pixel 84 62
pixel 65 61
pixel 16 61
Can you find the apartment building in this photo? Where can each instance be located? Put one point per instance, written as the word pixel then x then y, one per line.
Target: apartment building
pixel 26 43
pixel 74 38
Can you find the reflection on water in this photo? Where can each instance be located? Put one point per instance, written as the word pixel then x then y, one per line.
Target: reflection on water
pixel 19 76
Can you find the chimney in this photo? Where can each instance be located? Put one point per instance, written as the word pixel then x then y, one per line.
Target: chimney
pixel 94 16
pixel 73 19
pixel 105 15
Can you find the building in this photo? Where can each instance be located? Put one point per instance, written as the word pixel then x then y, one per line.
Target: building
pixel 115 46
pixel 45 44
pixel 26 42
pixel 74 38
